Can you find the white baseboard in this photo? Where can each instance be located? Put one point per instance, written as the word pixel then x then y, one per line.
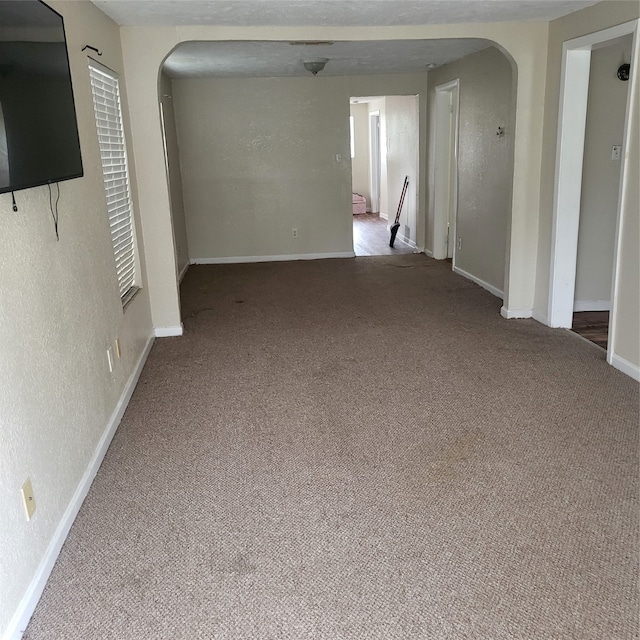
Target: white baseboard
pixel 168 332
pixel 408 241
pixel 485 285
pixel 281 258
pixel 592 305
pixel 183 272
pixel 21 617
pixel 632 370
pixel 510 314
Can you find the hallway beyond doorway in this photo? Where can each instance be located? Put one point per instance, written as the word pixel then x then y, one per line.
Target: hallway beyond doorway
pixel 593 326
pixel 371 237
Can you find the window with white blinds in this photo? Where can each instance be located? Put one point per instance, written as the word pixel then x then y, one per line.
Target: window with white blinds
pixel 108 112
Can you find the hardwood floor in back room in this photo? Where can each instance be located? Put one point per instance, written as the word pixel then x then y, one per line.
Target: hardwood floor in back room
pixel 371 237
pixel 592 325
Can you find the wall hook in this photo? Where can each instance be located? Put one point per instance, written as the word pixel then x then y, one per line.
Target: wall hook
pixel 500 132
pixel 88 46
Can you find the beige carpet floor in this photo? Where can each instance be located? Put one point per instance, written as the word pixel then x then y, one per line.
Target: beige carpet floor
pixel 359 450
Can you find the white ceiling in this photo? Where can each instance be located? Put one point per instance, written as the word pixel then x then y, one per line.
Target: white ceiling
pixel 271 59
pixel 332 12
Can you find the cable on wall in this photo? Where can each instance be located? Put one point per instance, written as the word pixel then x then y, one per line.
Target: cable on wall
pixel 54 209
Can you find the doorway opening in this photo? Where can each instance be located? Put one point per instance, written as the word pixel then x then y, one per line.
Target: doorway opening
pixel 384 149
pixel 570 162
pixel 606 105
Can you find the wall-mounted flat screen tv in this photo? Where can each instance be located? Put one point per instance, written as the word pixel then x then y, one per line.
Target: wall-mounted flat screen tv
pixel 39 141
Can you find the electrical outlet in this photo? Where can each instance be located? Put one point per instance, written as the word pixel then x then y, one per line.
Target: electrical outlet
pixel 118 349
pixel 28 499
pixel 110 359
pixel 294 233
pixel 459 245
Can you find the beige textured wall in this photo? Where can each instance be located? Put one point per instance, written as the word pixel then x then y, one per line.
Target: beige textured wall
pixel 360 164
pixel 485 161
pixel 143 51
pixel 402 160
pixel 590 20
pixel 60 310
pixel 250 179
pixel 174 175
pixel 606 108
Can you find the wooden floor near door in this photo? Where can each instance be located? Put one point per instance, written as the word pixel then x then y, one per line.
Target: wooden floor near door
pixel 371 237
pixel 592 325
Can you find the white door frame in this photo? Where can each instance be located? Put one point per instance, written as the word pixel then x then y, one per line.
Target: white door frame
pixel 165 148
pixel 374 159
pixel 574 87
pixel 445 207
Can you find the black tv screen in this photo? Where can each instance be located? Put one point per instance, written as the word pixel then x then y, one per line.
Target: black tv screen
pixel 39 141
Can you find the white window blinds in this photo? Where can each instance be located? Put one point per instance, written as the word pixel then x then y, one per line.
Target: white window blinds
pixel 108 112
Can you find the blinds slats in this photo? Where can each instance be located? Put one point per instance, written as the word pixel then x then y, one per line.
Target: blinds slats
pixel 115 173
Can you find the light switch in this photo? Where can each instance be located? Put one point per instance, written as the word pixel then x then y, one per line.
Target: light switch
pixel 338 158
pixel 616 152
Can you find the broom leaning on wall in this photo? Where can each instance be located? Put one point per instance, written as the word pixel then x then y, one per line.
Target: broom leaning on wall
pixel 396 225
